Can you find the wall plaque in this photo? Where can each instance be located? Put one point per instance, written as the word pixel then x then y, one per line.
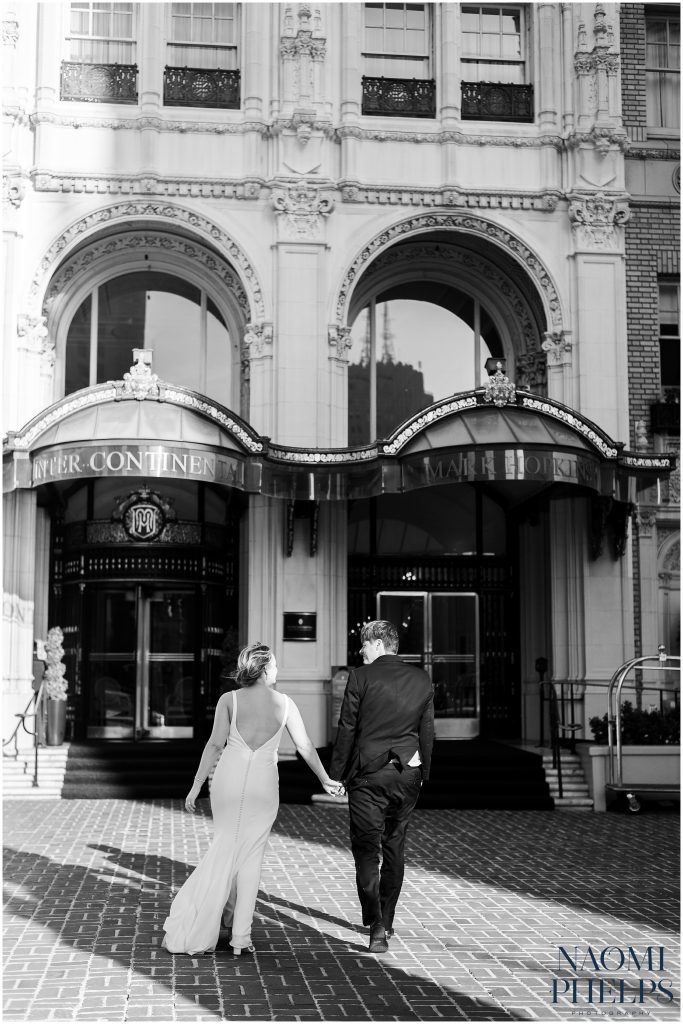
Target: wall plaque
pixel 299 626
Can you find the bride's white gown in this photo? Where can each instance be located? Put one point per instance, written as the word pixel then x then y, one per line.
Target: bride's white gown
pixel 244 804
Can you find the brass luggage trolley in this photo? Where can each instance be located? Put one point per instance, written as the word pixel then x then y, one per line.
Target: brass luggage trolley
pixel 615 776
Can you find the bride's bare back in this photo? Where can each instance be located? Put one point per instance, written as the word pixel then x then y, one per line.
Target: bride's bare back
pixel 260 712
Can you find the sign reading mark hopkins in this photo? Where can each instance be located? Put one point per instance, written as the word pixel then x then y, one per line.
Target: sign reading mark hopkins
pixel 184 463
pixel 501 464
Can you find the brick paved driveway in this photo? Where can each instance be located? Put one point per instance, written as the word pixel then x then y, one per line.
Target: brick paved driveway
pixel 489 898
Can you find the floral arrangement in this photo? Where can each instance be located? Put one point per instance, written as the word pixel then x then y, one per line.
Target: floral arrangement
pixel 55 683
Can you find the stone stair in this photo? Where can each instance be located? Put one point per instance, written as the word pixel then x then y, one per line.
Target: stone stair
pixel 575 792
pixel 17 774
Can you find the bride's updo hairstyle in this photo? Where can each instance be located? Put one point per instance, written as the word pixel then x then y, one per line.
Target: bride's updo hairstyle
pixel 252 662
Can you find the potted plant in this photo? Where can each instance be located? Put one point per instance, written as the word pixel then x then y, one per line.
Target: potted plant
pixel 55 688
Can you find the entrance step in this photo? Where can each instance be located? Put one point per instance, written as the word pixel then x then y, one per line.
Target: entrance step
pixel 17 774
pixel 575 792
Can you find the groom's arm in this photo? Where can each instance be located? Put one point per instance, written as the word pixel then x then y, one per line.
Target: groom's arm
pixel 426 733
pixel 346 730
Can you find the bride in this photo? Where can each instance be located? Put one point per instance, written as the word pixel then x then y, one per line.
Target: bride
pixel 247 730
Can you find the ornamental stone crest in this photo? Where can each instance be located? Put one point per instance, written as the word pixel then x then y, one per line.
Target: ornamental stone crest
pixel 12 191
pixel 339 339
pixel 595 219
pixel 33 334
pixel 557 346
pixel 10 32
pixel 140 382
pixel 300 209
pixel 258 340
pixel 499 389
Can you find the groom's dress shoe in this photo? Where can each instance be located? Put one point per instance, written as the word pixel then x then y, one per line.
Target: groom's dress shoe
pixel 378 940
pixel 389 932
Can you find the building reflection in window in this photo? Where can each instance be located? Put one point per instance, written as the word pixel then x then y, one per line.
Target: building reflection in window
pixel 407 354
pixel 151 310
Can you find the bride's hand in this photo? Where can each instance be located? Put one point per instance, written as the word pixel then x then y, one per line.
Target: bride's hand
pixel 190 799
pixel 334 788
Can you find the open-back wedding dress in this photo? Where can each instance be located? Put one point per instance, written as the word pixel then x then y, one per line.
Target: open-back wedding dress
pixel 244 803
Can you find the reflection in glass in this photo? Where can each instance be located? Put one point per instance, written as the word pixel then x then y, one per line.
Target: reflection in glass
pixel 113 622
pixel 406 354
pixel 407 612
pixel 112 694
pixel 170 694
pixel 172 623
pixel 156 311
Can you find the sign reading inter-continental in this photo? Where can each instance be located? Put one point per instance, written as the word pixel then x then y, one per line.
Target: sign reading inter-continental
pixel 137 460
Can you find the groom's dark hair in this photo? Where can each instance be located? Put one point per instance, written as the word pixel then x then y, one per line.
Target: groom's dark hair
pixel 380 629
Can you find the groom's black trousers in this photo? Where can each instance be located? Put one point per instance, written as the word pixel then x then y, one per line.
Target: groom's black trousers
pixel 379 809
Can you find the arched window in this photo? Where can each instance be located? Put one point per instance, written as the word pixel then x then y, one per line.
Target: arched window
pixel 408 353
pixel 177 320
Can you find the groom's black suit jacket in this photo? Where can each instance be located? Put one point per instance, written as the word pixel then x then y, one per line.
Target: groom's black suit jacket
pixel 387 711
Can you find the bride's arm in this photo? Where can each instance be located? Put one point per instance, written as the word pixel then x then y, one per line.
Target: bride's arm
pixel 302 741
pixel 212 750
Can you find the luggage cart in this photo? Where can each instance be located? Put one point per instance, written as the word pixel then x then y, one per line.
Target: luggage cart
pixel 615 777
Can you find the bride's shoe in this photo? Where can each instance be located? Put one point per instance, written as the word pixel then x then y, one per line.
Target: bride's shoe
pixel 238 950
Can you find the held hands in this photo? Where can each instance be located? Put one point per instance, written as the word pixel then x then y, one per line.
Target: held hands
pixel 334 788
pixel 190 799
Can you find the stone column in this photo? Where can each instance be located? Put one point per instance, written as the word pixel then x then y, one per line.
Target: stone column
pixel 450 49
pixel 650 630
pixel 352 71
pixel 18 604
pixel 601 376
pixel 254 73
pixel 151 56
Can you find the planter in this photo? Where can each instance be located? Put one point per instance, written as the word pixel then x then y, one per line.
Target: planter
pixel 55 722
pixel 641 765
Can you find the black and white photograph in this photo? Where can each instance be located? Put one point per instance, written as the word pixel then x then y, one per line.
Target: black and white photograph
pixel 341 512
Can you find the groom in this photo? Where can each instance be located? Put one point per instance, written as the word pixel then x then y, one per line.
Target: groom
pixel 382 753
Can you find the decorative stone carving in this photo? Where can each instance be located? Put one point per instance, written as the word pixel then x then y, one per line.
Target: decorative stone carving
pixel 339 339
pixel 595 219
pixel 258 340
pixel 156 124
pixel 499 388
pixel 457 221
pixel 139 382
pixel 532 371
pixel 459 138
pixel 303 51
pixel 642 440
pixel 32 330
pixel 671 564
pixel 13 191
pixel 159 211
pixel 134 185
pixel 546 202
pixel 646 521
pixel 550 409
pixel 137 241
pixel 557 346
pixel 10 32
pixel 300 209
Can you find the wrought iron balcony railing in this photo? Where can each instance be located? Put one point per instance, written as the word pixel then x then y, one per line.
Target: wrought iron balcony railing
pixel 492 101
pixel 399 97
pixel 99 83
pixel 201 87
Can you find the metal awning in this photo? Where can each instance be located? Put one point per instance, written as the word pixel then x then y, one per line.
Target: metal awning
pixel 154 430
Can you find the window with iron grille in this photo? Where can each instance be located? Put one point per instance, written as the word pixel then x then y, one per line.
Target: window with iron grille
pixel 202 68
pixel 101 33
pixel 397 60
pixel 493 44
pixel 203 36
pixel 494 64
pixel 663 71
pixel 100 65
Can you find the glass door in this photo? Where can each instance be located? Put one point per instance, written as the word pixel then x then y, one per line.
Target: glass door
pixel 112 662
pixel 167 650
pixel 440 632
pixel 142 662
